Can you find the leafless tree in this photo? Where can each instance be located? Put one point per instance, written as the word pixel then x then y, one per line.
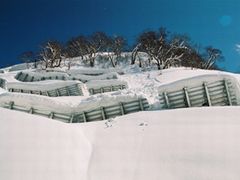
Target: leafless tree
pixel 76 47
pixel 51 54
pixel 115 46
pixel 160 49
pixel 134 53
pixel 95 43
pixel 213 55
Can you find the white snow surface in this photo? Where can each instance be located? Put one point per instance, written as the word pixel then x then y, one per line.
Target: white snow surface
pixel 181 144
pixel 194 143
pixel 33 147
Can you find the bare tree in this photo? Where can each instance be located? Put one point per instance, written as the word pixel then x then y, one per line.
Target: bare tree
pixel 51 54
pixel 95 43
pixel 116 45
pixel 134 53
pixel 213 55
pixel 160 49
pixel 76 47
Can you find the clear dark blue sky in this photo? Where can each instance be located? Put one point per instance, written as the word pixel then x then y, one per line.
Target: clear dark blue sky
pixel 24 24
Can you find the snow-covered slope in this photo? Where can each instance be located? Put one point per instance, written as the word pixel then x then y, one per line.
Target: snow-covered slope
pixel 33 147
pixel 191 143
pixel 194 143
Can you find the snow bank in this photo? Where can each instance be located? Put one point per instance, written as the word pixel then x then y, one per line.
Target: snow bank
pixel 33 147
pixel 18 67
pixel 196 143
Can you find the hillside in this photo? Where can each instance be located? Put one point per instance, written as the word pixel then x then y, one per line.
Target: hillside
pixel 156 143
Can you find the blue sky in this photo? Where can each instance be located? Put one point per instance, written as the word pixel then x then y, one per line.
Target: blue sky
pixel 25 24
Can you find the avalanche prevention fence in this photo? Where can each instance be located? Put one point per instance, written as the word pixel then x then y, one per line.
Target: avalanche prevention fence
pixel 25 77
pixel 218 93
pixel 104 89
pixel 71 90
pixel 32 77
pixel 97 114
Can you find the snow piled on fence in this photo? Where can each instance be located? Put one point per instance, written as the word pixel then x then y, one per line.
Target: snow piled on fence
pixel 67 104
pixel 42 85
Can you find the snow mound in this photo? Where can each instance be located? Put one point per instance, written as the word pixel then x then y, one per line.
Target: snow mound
pixel 195 143
pixel 33 147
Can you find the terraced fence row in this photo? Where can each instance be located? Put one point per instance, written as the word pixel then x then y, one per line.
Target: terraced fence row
pixel 37 76
pixel 104 89
pixel 218 93
pixel 108 112
pixel 97 114
pixel 32 77
pixel 71 90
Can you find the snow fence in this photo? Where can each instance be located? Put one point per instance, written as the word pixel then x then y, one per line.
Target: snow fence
pixel 40 76
pixel 198 92
pixel 85 78
pixel 84 112
pixel 48 88
pixel 102 86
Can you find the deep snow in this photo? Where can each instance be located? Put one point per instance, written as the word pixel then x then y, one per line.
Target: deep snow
pixel 193 143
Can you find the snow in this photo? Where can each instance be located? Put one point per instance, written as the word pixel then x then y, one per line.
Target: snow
pixel 190 143
pixel 197 143
pixel 194 143
pixel 33 147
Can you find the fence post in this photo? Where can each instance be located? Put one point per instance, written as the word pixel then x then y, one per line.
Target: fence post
pixel 103 113
pixel 91 91
pixel 52 115
pixel 11 104
pixel 166 99
pixel 111 88
pixel 187 97
pixel 207 94
pixel 47 93
pixel 71 119
pixel 31 110
pixel 68 93
pixel 228 93
pixel 84 116
pixel 122 108
pixel 25 78
pixel 141 104
pixel 18 75
pixel 57 92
